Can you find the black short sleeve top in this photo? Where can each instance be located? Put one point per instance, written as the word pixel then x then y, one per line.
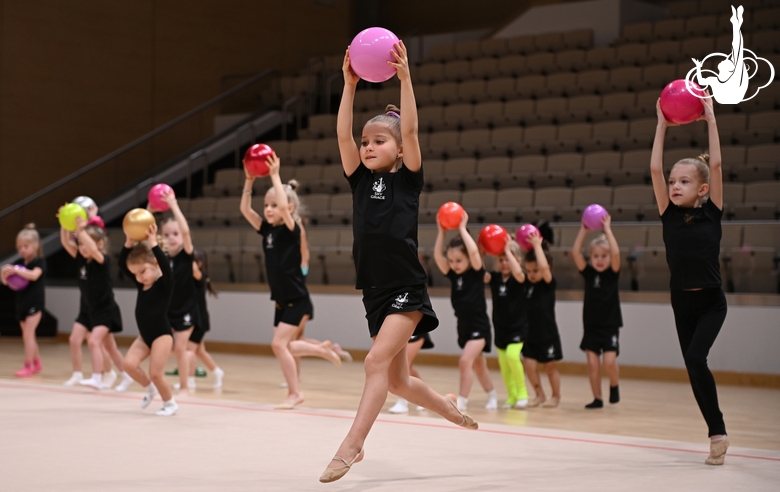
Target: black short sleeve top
pixel 508 302
pixel 183 299
pixel 540 302
pixel 468 297
pixel 692 238
pixel 34 295
pixel 151 306
pixel 385 209
pixel 97 290
pixel 602 300
pixel 282 248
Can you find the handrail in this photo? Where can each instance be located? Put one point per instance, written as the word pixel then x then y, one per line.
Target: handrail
pixel 134 143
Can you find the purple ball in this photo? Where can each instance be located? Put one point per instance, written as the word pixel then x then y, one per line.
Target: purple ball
pixel 369 53
pixel 15 282
pixel 592 217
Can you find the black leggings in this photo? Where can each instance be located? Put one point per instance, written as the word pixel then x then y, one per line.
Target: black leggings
pixel 699 315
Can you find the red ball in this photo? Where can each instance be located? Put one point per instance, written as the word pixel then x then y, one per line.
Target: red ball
pixel 493 239
pixel 450 214
pixel 679 105
pixel 255 159
pixel 522 236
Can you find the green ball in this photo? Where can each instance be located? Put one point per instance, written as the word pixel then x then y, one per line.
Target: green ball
pixel 68 215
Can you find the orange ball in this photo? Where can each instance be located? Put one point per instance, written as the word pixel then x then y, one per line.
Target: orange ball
pixel 136 223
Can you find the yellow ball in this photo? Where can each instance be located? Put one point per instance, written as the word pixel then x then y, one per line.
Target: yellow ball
pixel 136 223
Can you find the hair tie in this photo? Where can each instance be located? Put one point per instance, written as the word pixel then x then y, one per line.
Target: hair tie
pixel 393 113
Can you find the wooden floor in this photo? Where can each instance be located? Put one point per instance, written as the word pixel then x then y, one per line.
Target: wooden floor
pixel 659 410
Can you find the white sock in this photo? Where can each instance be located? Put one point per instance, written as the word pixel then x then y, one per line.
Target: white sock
pixel 97 377
pixel 126 376
pixel 78 374
pixel 463 402
pixel 169 402
pixel 492 395
pixel 191 382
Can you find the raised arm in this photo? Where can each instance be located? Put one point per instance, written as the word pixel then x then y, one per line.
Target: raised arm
pixel 350 156
pixel 657 161
pixel 541 260
pixel 88 243
pixel 282 203
pixel 254 219
pixel 471 246
pixel 409 126
pixel 614 248
pixel 716 163
pixel 67 242
pixel 305 253
pixel 197 274
pixel 170 199
pixel 438 251
pixel 514 264
pixel 576 249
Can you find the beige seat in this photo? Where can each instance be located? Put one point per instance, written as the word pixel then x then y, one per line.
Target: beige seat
pixel 754 270
pixel 541 63
pixel 521 45
pixel 547 201
pixel 703 25
pixel 732 126
pixel 303 151
pixel 607 135
pixel 552 109
pixel 339 212
pixel 581 39
pixel 430 117
pixel 226 213
pixel 501 89
pixel 320 126
pixel 454 169
pixel 201 211
pixel 475 142
pixel 658 75
pixel 760 154
pixel 630 236
pixel 431 72
pixel 607 160
pixel 539 137
pixel 225 256
pixel 573 136
pixel 601 58
pixel 281 147
pixel 632 54
pixel 478 202
pixel 204 239
pixel 585 107
pixel 631 201
pixel 457 117
pixel 485 68
pixel 531 86
pixel 638 32
pixel 468 50
pixel 444 93
pixel 490 113
pixel 684 9
pixel 733 193
pixel 565 162
pixel 617 105
pixel 226 182
pixel 581 198
pixel 457 70
pixel 513 66
pixel 697 47
pixel 505 138
pixel 674 155
pixel 549 42
pixel 645 104
pixel 562 84
pixel 669 29
pixel 519 111
pixel 441 142
pixel 509 202
pixel 472 91
pixel 494 47
pixel 442 52
pixel 571 60
pixel 435 200
pixel 327 151
pixel 309 177
pixel 593 81
pixel 251 258
pixel 627 78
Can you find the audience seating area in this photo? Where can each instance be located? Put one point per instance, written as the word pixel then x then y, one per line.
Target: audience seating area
pixel 538 127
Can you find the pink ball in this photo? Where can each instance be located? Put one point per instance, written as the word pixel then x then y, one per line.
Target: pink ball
pixel 155 196
pixel 522 236
pixel 592 217
pixel 369 53
pixel 15 282
pixel 679 105
pixel 493 238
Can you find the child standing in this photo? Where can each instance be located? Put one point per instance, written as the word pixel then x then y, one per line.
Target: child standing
pixel 183 313
pixel 100 315
pixel 543 345
pixel 463 266
pixel 148 266
pixel 692 233
pixel 385 175
pixel 601 315
pixel 510 322
pixel 281 231
pixel 30 300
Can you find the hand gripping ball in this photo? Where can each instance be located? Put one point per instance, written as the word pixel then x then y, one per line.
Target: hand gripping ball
pixel 156 194
pixel 68 214
pixel 523 232
pixel 255 159
pixel 450 214
pixel 15 282
pixel 136 223
pixel 592 217
pixel 679 105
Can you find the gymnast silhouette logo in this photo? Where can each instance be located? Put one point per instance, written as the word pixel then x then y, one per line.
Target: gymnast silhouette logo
pixel 83 273
pixel 730 84
pixel 502 290
pixel 379 188
pixel 597 282
pixel 269 242
pixel 459 283
pixel 401 300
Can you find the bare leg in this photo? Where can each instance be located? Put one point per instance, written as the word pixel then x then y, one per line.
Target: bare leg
pixel 77 335
pixel 110 348
pixel 205 356
pixel 594 373
pixel 387 361
pixel 412 349
pixel 471 352
pixel 531 370
pixel 95 344
pixel 555 379
pixel 160 351
pixel 483 373
pixel 29 325
pixel 137 352
pixel 284 334
pixel 180 340
pixel 610 365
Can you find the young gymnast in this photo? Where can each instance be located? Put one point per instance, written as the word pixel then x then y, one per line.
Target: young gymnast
pixel 601 315
pixel 99 314
pixel 196 346
pixel 183 313
pixel 281 231
pixel 385 176
pixel 510 322
pixel 463 266
pixel 692 233
pixel 416 343
pixel 543 345
pixel 30 300
pixel 151 271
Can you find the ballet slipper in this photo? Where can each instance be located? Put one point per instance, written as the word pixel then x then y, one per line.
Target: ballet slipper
pixel 333 474
pixel 287 405
pixel 536 401
pixel 466 422
pixel 718 452
pixel 552 402
pixel 333 357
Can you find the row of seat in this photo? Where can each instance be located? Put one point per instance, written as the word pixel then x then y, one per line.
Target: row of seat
pixel 761 19
pixel 756 201
pixel 692 8
pixel 749 255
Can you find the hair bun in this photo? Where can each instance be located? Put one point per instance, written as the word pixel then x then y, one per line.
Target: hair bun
pixel 293 183
pixel 393 108
pixel 30 226
pixel 705 158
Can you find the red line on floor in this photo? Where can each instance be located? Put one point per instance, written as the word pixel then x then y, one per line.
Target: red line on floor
pixel 346 417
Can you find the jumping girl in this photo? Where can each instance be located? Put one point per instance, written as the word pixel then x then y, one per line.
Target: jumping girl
pixel 151 271
pixel 463 266
pixel 692 233
pixel 510 322
pixel 99 315
pixel 183 313
pixel 601 315
pixel 30 300
pixel 385 175
pixel 281 231
pixel 543 345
